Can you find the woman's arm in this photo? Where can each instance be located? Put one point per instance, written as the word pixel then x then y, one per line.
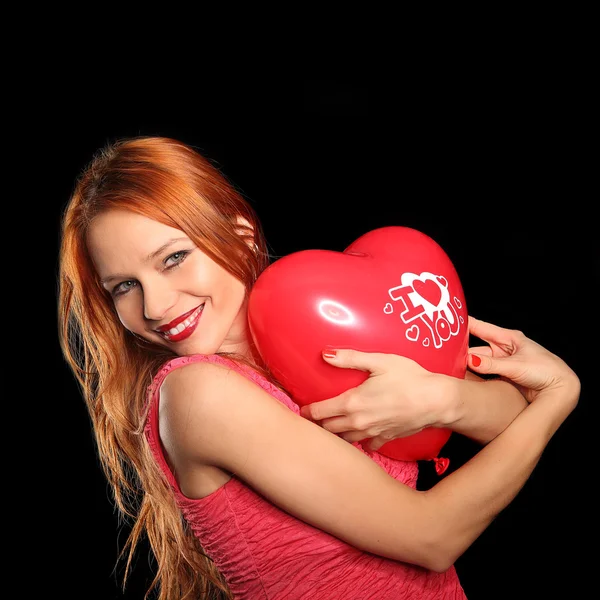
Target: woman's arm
pixel 385 406
pixel 213 416
pixel 481 408
pixel 494 476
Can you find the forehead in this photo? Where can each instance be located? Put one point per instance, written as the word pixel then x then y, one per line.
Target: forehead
pixel 118 239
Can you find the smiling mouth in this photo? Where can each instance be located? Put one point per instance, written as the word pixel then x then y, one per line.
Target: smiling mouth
pixel 184 329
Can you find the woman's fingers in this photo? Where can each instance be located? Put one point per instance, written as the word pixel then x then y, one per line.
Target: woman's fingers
pixel 325 409
pixel 337 424
pixel 482 350
pixel 489 333
pixel 354 436
pixel 510 367
pixel 372 362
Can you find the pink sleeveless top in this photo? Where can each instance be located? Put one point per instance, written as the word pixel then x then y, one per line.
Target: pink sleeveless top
pixel 265 553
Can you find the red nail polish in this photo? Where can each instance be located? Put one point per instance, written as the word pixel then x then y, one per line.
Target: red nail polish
pixel 475 360
pixel 329 353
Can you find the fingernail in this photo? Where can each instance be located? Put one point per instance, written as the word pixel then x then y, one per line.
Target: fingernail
pixel 475 360
pixel 329 353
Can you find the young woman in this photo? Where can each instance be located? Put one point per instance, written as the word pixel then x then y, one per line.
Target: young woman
pixel 239 495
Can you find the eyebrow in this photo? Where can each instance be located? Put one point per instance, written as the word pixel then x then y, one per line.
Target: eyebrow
pixel 148 258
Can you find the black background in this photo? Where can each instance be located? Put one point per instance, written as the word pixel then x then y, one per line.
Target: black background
pixel 494 171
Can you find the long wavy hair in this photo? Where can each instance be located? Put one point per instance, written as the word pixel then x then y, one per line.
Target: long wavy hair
pixel 171 182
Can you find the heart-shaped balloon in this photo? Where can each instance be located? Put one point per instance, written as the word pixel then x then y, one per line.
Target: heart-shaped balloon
pixel 393 290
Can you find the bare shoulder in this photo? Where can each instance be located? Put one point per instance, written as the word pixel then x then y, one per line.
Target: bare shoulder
pixel 202 403
pixel 196 381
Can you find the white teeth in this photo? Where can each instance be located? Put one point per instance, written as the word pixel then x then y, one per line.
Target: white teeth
pixel 186 323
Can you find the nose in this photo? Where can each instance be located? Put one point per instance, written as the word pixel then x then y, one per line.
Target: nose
pixel 158 299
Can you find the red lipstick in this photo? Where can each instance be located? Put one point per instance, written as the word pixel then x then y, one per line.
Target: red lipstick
pixel 187 331
pixel 176 321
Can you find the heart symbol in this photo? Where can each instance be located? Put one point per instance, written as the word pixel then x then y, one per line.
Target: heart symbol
pixel 311 299
pixel 429 290
pixel 388 309
pixel 412 333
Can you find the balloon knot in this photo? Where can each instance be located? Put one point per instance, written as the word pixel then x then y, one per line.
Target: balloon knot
pixel 441 464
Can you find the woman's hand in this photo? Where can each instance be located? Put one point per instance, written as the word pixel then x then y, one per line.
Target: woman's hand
pixel 398 399
pixel 523 362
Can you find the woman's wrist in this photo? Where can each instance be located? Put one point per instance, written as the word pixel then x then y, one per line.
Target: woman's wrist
pixel 449 407
pixel 477 408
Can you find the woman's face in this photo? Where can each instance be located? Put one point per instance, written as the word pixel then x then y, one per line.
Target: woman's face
pixel 165 289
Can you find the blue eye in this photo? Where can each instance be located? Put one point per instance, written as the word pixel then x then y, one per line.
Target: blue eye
pixel 177 258
pixel 123 287
pixel 172 261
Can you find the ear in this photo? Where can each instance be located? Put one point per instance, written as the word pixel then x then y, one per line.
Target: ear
pixel 245 230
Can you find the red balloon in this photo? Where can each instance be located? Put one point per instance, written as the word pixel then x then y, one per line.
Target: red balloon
pixel 393 290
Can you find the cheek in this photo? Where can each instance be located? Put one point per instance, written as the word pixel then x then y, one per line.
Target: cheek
pixel 128 314
pixel 231 289
pixel 218 283
pixel 203 277
pixel 192 276
pixel 237 296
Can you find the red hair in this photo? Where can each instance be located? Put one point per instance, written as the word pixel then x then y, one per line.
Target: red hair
pixel 170 182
